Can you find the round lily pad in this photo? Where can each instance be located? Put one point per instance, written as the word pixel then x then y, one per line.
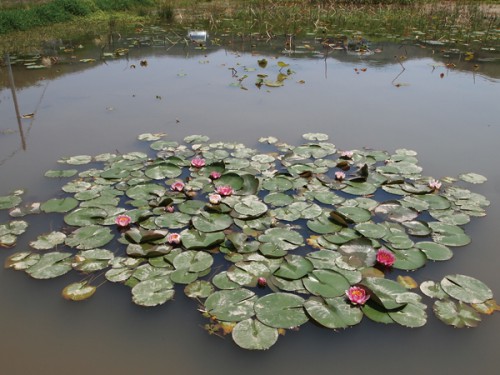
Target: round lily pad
pixel 211 222
pixel 78 291
pixel 281 310
pixel 456 314
pixel 50 265
pixel 153 292
pixel 89 237
pixel 333 313
pixel 199 289
pixel 466 289
pixel 231 305
pixel 59 205
pixel 253 335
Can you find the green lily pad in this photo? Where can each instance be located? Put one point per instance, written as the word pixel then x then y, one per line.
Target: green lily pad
pixel 78 291
pixel 59 205
pixel 385 292
pixel 448 235
pixel 251 334
pixel 61 173
pixel 371 230
pixel 323 225
pixel 294 267
pixel 433 290
pixel 48 241
pixel 211 222
pixel 9 201
pixel 76 160
pixel 394 211
pixel 434 251
pixel 278 199
pixel 277 184
pixel 92 260
pixel 409 259
pixel 473 178
pixel 333 313
pixel 174 220
pixel 250 207
pixel 163 171
pixel 326 283
pixel 412 315
pixel 231 305
pixel 89 237
pixel 222 281
pixel 22 260
pixel 355 214
pixel 466 289
pixel 195 240
pixel 153 292
pixel 456 314
pixel 51 265
pixel 199 289
pixel 194 261
pixel 281 310
pixel 315 136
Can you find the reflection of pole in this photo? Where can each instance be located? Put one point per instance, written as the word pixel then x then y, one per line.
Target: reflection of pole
pixel 14 98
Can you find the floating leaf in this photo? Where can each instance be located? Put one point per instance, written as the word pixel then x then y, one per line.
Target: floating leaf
pixel 78 291
pixel 253 335
pixel 199 289
pixel 211 222
pixel 448 235
pixel 153 292
pixel 433 290
pixel 89 237
pixel 326 283
pixel 333 313
pixel 48 241
pixel 231 305
pixel 458 314
pixel 61 173
pixel 281 310
pixel 59 205
pixel 466 289
pixel 50 265
pixel 473 178
pixel 194 261
pixel 22 260
pixel 434 251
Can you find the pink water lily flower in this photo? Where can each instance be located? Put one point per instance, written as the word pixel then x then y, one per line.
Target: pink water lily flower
pixel 123 220
pixel 434 184
pixel 174 238
pixel 170 209
pixel 215 175
pixel 177 186
pixel 214 198
pixel 385 257
pixel 198 162
pixel 339 175
pixel 346 154
pixel 357 295
pixel 225 190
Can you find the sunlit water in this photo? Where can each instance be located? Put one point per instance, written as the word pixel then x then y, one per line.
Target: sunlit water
pixel 449 116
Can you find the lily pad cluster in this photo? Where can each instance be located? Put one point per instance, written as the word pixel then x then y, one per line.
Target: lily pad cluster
pixel 264 240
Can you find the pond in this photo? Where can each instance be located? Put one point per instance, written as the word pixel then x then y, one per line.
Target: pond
pixel 441 103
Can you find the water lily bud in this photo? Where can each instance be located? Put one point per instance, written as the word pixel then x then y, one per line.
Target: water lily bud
pixel 262 282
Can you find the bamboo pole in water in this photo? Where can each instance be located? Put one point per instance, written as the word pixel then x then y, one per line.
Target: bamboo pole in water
pixel 14 99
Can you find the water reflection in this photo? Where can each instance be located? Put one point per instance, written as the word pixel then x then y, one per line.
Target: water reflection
pixel 92 108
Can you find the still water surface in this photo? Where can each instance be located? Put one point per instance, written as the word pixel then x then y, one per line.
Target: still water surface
pixel 451 117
